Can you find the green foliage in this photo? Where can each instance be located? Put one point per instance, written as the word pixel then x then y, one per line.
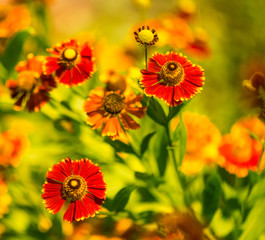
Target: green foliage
pixel 122 197
pixel 161 151
pixel 156 112
pixel 145 142
pixel 254 225
pixel 14 49
pixel 211 196
pixel 180 137
pixel 174 111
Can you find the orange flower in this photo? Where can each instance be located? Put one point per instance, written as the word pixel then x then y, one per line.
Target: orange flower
pixel 172 78
pixel 177 226
pixel 186 9
pixel 32 86
pixel 114 81
pixel 13 19
pixel 199 46
pixel 202 147
pixel 72 64
pixel 240 151
pixel 173 31
pixel 111 110
pixel 12 145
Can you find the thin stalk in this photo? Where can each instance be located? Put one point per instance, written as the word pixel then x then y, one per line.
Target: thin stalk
pixel 261 155
pixel 171 150
pixel 145 53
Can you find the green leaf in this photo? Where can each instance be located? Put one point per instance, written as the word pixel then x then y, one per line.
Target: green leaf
pixel 14 49
pixel 122 197
pixel 120 146
pixel 156 112
pixel 180 136
pixel 258 191
pixel 146 141
pixel 254 225
pixel 3 73
pixel 161 151
pixel 173 111
pixel 149 179
pixel 211 196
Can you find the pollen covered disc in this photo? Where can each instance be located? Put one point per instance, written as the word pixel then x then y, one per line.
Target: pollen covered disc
pixel 74 187
pixel 172 73
pixel 113 103
pixel 70 54
pixel 146 36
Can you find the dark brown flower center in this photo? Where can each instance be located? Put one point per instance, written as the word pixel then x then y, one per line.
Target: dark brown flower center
pixel 113 103
pixel 74 187
pixel 68 57
pixel 172 73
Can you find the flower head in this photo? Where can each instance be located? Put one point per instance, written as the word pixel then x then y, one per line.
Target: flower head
pixel 81 182
pixel 172 78
pixel 255 92
pixel 72 63
pixel 111 110
pixel 202 147
pixel 199 46
pixel 173 31
pixel 240 150
pixel 114 81
pixel 146 36
pixel 12 145
pixel 32 86
pixel 13 19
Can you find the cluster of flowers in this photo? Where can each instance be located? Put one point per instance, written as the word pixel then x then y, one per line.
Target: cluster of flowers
pixel 238 151
pixel 170 77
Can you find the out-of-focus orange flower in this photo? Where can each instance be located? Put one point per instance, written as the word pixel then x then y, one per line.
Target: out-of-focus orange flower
pixel 102 237
pixel 12 145
pixel 5 199
pixel 114 81
pixel 199 46
pixel 203 141
pixel 111 110
pixel 255 92
pixel 13 19
pixel 32 87
pixel 48 2
pixel 176 226
pixel 240 150
pixel 172 30
pixel 186 9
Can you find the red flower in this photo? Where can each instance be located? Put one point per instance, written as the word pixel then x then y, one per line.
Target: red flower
pixel 72 64
pixel 172 78
pixel 81 181
pixel 32 86
pixel 111 110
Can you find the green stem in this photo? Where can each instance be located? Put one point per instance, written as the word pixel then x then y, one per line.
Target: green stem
pixel 171 150
pixel 261 155
pixel 145 51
